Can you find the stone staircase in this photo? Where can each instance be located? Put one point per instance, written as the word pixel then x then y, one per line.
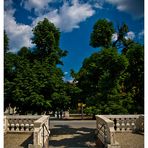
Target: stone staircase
pixel 70 138
pixel 18 132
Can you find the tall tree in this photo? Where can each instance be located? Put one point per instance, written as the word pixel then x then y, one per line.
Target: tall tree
pixel 112 82
pixel 9 73
pixel 102 34
pixel 37 77
pixel 99 78
pixel 134 81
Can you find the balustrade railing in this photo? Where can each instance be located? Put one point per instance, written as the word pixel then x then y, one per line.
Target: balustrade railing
pixel 107 125
pixel 41 133
pixel 123 122
pixel 105 129
pixel 21 123
pixel 38 125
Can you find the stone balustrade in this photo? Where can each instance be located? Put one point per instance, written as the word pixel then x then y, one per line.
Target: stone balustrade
pixel 107 125
pixel 105 130
pixel 41 133
pixel 123 123
pixel 20 123
pixel 38 125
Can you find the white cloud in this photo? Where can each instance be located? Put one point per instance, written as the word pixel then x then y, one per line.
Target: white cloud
pixel 39 6
pixel 19 34
pixel 114 37
pixel 133 7
pixel 68 16
pixel 130 35
pixel 96 3
pixel 65 73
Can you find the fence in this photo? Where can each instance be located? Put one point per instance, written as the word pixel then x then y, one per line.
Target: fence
pixel 107 125
pixel 38 125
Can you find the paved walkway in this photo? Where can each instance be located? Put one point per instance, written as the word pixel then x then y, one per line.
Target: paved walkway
pixel 72 134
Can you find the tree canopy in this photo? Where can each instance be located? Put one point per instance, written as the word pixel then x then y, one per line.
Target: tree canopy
pixel 37 82
pixel 110 81
pixel 102 33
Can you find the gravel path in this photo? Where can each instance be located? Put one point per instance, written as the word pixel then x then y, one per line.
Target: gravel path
pixel 74 134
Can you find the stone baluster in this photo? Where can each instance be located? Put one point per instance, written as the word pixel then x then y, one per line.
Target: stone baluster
pixel 22 127
pixel 12 125
pixel 122 125
pixel 31 127
pixel 17 126
pixel 117 124
pixel 128 124
pixel 133 124
pixel 27 126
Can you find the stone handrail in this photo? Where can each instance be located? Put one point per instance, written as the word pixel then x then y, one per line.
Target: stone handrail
pixel 41 134
pixel 105 129
pixel 107 125
pixel 19 123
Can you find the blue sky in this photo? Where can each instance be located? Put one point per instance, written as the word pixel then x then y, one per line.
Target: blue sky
pixel 75 19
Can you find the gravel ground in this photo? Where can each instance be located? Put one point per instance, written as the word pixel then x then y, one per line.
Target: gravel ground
pixel 130 140
pixel 17 140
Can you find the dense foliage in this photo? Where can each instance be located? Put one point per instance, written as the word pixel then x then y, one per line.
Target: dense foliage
pixel 112 82
pixel 33 81
pixel 109 81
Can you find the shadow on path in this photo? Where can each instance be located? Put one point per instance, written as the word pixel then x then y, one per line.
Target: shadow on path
pixel 17 140
pixel 67 136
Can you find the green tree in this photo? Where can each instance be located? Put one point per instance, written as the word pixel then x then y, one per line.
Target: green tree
pixel 100 78
pixel 46 38
pixel 102 34
pixel 112 82
pixel 134 82
pixel 38 85
pixel 9 73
